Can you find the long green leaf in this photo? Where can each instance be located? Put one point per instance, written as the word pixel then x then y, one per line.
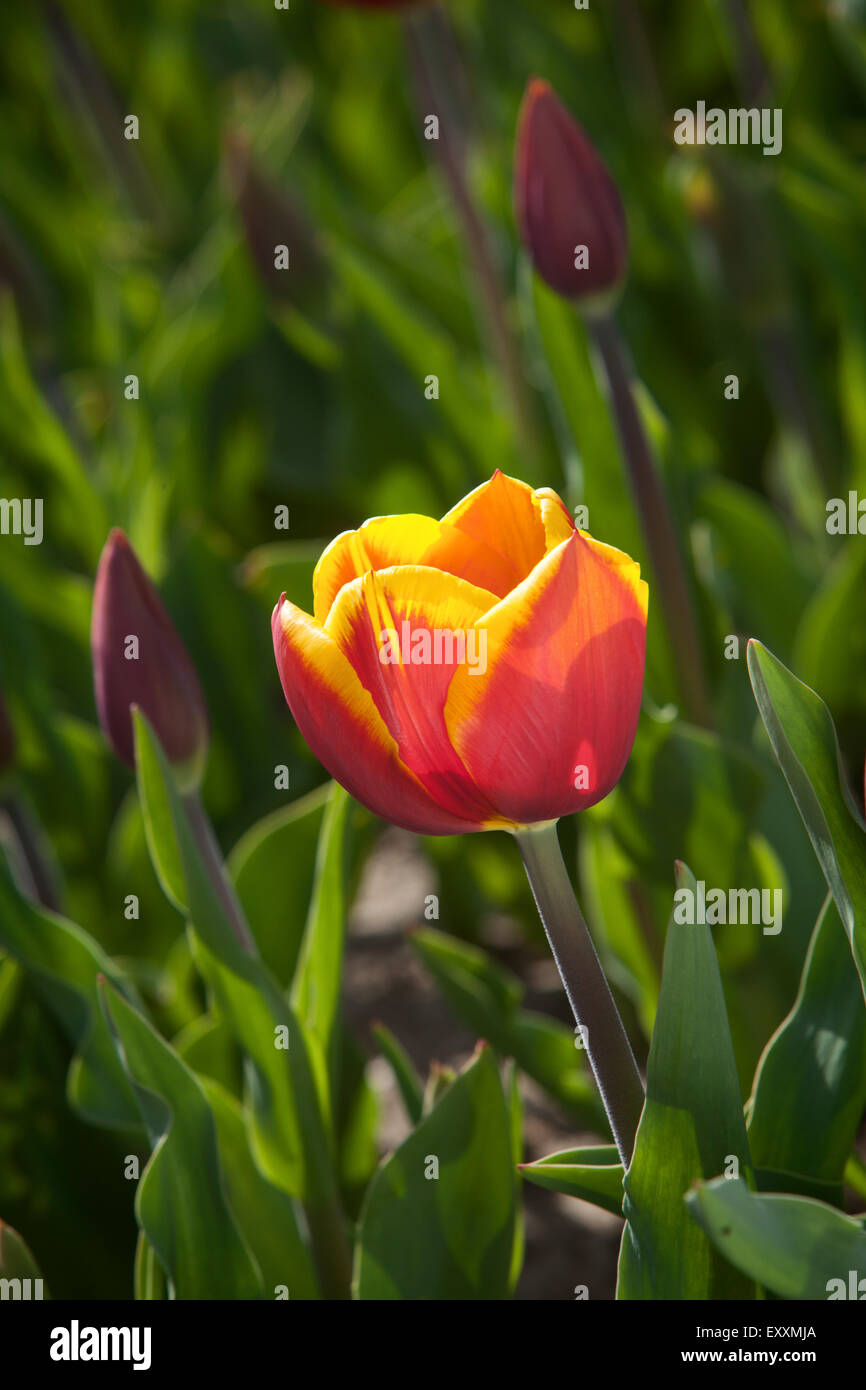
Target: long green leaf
pixel 804 740
pixel 65 964
pixel 180 1201
pixel 810 1087
pixel 692 1127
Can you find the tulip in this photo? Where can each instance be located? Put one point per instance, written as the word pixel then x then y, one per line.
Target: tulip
pixel 566 200
pixel 526 714
pixel 482 672
pixel 139 659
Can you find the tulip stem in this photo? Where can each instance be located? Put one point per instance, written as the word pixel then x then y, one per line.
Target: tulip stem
pixel 440 83
pixel 658 525
pixel 211 854
pixel 604 1037
pixel 32 870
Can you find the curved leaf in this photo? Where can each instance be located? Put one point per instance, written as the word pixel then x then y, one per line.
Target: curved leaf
pixel 691 1127
pixel 810 1086
pixel 180 1203
pixel 595 1174
pixel 439 1221
pixel 795 1246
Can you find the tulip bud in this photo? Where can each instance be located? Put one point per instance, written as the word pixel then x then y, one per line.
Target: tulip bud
pixel 271 217
pixel 569 211
pixel 139 659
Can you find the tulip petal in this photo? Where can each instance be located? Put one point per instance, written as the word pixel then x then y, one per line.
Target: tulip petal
pixel 405 632
pixel 555 517
pixel 339 720
pixel 549 727
pixel 505 514
pixel 386 541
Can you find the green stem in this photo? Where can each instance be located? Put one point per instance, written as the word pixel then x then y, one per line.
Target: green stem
pixel 33 869
pixel 658 526
pixel 605 1039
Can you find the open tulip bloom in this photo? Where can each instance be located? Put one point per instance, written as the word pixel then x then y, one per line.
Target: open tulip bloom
pixel 482 672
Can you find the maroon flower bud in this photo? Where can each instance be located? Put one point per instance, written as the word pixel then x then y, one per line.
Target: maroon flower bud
pixel 569 212
pixel 271 218
pixel 139 659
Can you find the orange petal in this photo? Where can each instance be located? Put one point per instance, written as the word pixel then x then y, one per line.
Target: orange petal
pixel 555 516
pixel 405 631
pixel 548 729
pixel 385 541
pixel 505 515
pixel 343 728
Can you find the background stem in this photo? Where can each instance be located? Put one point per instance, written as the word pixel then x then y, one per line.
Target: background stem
pixel 607 1045
pixel 442 90
pixel 658 527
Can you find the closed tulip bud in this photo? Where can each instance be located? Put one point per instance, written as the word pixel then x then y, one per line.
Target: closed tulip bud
pixel 139 660
pixel 270 218
pixel 475 673
pixel 569 211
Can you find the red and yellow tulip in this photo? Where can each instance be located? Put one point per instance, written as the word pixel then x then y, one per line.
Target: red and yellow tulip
pixel 415 724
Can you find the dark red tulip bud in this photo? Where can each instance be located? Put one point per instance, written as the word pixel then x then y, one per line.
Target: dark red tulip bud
pixel 139 659
pixel 569 211
pixel 272 218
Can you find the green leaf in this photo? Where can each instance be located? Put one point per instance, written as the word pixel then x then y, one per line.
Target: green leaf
pixel 149 1277
pixel 286 1078
pixel 487 998
pixel 810 1086
pixel 803 736
pixel 316 988
pixel 265 1216
pixel 288 1133
pixel 17 1260
pixel 180 1202
pixel 276 902
pixel 595 1174
pixel 795 1246
pixel 65 964
pixel 691 1127
pixel 407 1078
pixel 176 854
pixel 451 1236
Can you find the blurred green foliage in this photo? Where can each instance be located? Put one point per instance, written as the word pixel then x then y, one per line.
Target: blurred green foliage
pixel 122 257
